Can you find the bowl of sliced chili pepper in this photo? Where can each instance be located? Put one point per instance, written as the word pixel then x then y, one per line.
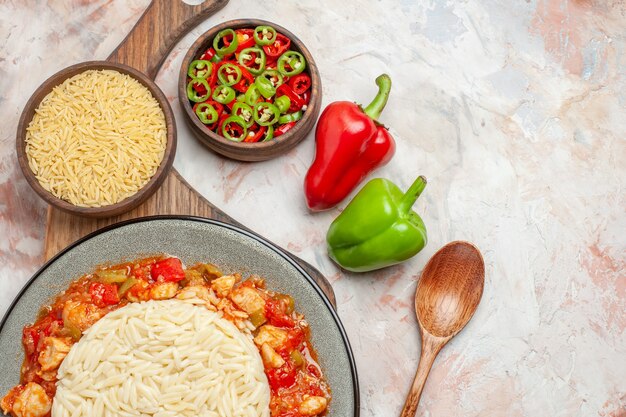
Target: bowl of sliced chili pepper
pixel 250 89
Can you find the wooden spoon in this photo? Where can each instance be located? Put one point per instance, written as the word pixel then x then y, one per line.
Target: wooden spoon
pixel 445 300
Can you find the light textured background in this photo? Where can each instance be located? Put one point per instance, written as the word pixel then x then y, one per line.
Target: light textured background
pixel 515 111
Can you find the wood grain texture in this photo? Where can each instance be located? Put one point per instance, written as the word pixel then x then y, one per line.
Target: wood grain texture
pixel 160 27
pixel 259 151
pixel 446 298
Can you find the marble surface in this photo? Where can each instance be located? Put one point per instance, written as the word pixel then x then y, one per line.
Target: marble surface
pixel 515 111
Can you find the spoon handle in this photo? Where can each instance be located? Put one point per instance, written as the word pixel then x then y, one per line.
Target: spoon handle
pixel 430 348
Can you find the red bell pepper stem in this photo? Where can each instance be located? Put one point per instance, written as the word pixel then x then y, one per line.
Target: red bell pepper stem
pixel 412 194
pixel 378 104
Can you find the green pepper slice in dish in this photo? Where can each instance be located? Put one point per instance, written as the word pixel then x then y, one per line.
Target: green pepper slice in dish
pixel 245 112
pixel 234 128
pixel 291 63
pixel 265 114
pixel 252 95
pixel 223 94
pixel 283 103
pixel 253 59
pixel 198 96
pixel 200 68
pixel 265 86
pixel 223 45
pixel 275 77
pixel 229 74
pixel 206 113
pixel 265 35
pixel 291 117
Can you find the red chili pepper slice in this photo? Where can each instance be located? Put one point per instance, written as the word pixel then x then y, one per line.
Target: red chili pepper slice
pixel 306 97
pixel 280 46
pixel 245 38
pixel 300 83
pixel 208 54
pixel 296 100
pixel 103 295
pixel 282 129
pixel 168 270
pixel 257 133
pixel 247 79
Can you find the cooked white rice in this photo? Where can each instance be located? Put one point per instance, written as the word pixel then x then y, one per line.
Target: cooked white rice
pixel 162 359
pixel 96 139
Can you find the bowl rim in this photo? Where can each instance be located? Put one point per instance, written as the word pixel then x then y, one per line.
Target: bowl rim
pixel 129 202
pixel 279 251
pixel 296 134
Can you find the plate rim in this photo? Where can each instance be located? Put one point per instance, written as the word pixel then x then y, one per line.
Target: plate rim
pixel 279 251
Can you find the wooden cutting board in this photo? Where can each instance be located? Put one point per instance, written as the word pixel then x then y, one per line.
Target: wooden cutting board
pixel 161 26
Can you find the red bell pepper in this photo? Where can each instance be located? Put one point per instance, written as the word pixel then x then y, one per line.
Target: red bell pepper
pixel 350 144
pixel 275 50
pixel 168 270
pixel 103 295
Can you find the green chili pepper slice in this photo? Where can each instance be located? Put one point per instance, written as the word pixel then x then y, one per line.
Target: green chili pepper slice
pixel 252 95
pixel 265 35
pixel 225 49
pixel 291 117
pixel 269 135
pixel 223 94
pixel 294 61
pixel 200 68
pixel 206 113
pixel 265 86
pixel 239 128
pixel 193 95
pixel 265 114
pixel 245 112
pixel 274 76
pixel 283 103
pixel 257 65
pixel 229 74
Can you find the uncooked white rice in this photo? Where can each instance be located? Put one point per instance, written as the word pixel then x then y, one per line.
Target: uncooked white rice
pixel 162 359
pixel 96 139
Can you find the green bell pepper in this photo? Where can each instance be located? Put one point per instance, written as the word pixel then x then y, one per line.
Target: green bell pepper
pixel 378 227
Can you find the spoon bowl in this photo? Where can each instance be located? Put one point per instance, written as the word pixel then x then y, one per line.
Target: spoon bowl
pixel 446 298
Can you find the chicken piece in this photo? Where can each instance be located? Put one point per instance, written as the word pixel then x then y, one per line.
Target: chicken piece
pixel 270 357
pixel 248 299
pixel 49 376
pixel 193 278
pixel 312 405
pixel 163 291
pixel 194 291
pixel 223 285
pixel 271 335
pixel 54 351
pixel 80 316
pixel 29 400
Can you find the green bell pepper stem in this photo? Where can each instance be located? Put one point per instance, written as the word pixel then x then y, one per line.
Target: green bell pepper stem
pixel 229 74
pixel 225 50
pixel 291 117
pixel 265 35
pixel 375 108
pixel 192 94
pixel 283 103
pixel 412 194
pixel 224 94
pixel 265 86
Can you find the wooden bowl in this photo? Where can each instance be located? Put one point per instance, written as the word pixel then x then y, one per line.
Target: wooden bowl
pixel 260 151
pixel 129 203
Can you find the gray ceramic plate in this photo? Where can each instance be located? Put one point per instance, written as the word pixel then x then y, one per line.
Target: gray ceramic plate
pixel 191 239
